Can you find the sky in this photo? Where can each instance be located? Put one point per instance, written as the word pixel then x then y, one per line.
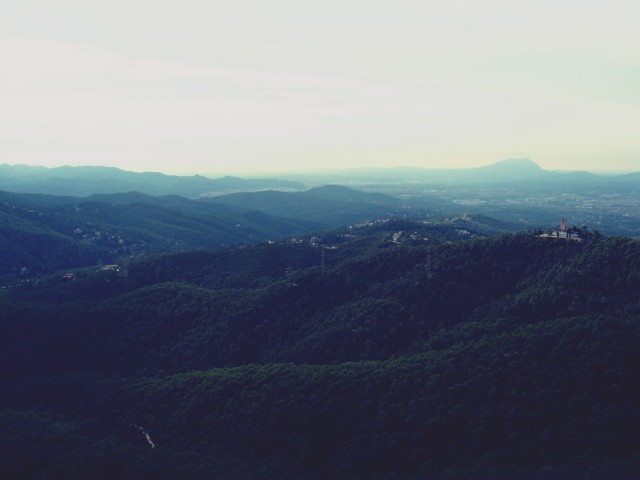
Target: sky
pixel 255 86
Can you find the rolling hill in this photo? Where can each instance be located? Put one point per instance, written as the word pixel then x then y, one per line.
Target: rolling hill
pixel 330 205
pixel 508 357
pixel 43 233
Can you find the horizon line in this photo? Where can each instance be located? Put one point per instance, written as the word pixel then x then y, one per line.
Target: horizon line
pixel 317 170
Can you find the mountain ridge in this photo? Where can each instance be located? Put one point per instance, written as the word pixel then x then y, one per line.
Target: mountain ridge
pixel 87 180
pixel 328 205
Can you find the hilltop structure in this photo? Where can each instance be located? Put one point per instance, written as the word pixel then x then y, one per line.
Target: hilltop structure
pixel 566 232
pixel 563 225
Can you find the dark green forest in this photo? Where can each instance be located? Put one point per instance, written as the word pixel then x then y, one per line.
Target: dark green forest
pixel 41 234
pixel 427 355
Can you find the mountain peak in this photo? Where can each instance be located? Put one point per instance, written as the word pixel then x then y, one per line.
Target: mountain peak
pixel 515 164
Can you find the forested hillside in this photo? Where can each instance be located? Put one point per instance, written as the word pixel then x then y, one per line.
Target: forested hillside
pixel 42 233
pixel 329 206
pixel 382 357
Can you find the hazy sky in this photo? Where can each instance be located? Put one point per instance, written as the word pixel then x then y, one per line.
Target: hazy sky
pixel 255 85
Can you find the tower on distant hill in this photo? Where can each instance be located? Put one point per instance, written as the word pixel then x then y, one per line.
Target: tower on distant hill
pixel 563 225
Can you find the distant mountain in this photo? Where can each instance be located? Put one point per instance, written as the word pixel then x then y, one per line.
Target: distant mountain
pixel 84 181
pixel 516 170
pixel 342 193
pixel 630 177
pixel 518 165
pixel 329 206
pixel 89 180
pixel 505 171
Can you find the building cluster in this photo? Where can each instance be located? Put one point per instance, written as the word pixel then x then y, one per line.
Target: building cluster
pixel 564 231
